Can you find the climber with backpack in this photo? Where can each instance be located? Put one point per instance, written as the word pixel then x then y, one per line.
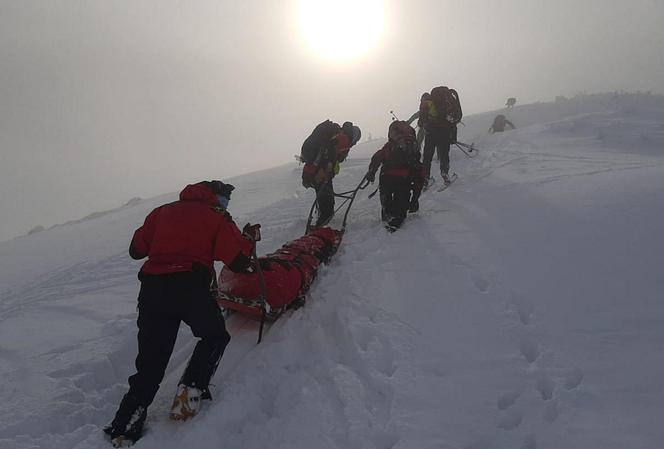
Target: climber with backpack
pixel 322 152
pixel 401 174
pixel 439 117
pixel 499 124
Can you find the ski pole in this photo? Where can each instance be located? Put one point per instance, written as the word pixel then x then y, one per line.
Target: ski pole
pixel 464 151
pixel 372 194
pixel 471 147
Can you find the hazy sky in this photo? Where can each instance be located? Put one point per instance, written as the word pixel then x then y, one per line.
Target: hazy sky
pixel 101 101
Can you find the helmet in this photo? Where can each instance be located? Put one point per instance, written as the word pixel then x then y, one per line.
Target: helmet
pixel 399 129
pixel 425 96
pixel 401 134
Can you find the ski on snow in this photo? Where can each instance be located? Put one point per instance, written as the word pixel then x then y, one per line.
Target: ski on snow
pixel 453 177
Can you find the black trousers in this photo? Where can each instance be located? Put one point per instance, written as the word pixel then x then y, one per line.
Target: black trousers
pixel 163 302
pixel 437 139
pixel 325 199
pixel 394 198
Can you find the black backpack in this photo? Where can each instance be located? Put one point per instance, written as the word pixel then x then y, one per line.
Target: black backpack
pixel 447 104
pixel 405 152
pixel 319 139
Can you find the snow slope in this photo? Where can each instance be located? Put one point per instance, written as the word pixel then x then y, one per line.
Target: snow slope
pixel 521 308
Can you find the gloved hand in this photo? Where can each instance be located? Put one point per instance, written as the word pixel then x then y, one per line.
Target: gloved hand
pixel 252 232
pixel 264 265
pixel 370 176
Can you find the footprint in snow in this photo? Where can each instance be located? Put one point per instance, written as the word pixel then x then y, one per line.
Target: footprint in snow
pixel 545 386
pixel 530 350
pixel 525 311
pixel 481 284
pixel 507 400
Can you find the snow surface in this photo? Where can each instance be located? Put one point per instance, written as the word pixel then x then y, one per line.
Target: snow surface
pixel 521 308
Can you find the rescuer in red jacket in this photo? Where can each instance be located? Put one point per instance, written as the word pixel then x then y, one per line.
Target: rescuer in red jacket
pixel 181 240
pixel 401 174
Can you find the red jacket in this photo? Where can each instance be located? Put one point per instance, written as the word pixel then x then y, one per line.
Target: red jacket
pixel 192 231
pixel 389 159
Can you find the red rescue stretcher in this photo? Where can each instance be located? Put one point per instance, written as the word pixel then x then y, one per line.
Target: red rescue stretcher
pixel 283 278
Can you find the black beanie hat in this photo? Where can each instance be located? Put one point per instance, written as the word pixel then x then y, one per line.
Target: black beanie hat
pixel 219 188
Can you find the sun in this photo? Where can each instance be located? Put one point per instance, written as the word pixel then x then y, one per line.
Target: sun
pixel 341 29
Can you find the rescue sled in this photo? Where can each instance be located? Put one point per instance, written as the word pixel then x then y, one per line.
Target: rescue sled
pixel 282 279
pixel 287 274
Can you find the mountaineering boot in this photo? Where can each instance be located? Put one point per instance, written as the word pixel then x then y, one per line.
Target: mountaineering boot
pixel 394 223
pixel 429 181
pixel 127 426
pixel 446 178
pixel 186 404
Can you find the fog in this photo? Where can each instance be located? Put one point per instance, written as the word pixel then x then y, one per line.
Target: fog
pixel 102 101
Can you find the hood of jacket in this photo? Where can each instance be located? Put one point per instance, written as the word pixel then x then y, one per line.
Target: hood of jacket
pixel 199 192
